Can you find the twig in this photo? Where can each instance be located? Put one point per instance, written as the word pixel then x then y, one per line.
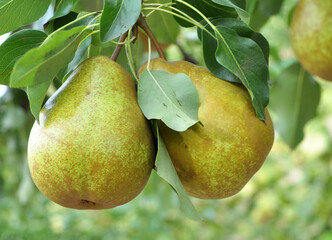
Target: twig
pixel 119 46
pixel 143 24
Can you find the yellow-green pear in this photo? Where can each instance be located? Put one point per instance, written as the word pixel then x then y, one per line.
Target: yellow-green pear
pixel 217 158
pixel 93 148
pixel 311 36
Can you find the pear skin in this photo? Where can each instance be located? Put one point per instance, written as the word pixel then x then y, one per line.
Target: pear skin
pixel 93 148
pixel 311 36
pixel 215 160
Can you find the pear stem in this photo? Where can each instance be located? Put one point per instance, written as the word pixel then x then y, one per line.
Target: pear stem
pixel 119 46
pixel 144 25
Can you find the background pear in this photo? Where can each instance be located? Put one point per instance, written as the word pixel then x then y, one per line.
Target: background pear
pixel 93 148
pixel 216 160
pixel 311 36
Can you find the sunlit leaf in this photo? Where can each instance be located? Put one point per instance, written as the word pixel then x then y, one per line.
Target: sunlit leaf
pixel 171 98
pixel 43 63
pixel 118 16
pixel 15 47
pixel 15 13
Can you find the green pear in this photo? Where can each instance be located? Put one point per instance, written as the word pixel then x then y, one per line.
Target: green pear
pixel 311 36
pixel 93 148
pixel 217 158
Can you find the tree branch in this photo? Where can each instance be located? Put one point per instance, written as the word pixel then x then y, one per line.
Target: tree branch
pixel 119 46
pixel 143 24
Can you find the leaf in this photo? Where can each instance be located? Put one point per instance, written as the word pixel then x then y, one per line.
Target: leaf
pixel 62 8
pixel 245 59
pixel 172 98
pixel 15 47
pixel 210 45
pixel 118 16
pixel 206 7
pixel 262 10
pixel 79 57
pixel 166 171
pixel 236 5
pixel 270 7
pixel 16 13
pixel 43 63
pixel 36 95
pixel 87 5
pixel 294 98
pixel 163 25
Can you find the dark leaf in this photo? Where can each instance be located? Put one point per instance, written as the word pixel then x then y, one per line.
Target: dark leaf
pixel 245 59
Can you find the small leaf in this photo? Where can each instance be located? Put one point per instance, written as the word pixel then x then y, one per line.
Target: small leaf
pixel 36 95
pixel 15 47
pixel 43 63
pixel 62 8
pixel 172 98
pixel 16 13
pixel 166 171
pixel 118 16
pixel 294 98
pixel 245 59
pixel 236 5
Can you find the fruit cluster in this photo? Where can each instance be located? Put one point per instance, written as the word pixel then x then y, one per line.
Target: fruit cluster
pixel 93 148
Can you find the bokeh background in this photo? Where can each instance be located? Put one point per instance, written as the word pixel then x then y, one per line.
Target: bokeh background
pixel 290 197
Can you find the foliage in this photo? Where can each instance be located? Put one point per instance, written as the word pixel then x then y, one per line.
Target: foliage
pixel 287 199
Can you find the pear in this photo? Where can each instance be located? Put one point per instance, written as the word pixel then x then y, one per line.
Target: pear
pixel 217 158
pixel 311 36
pixel 93 148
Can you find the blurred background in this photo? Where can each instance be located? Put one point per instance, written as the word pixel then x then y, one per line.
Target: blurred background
pixel 290 197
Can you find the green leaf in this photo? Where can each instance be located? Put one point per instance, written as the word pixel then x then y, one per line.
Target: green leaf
pixel 36 95
pixel 207 7
pixel 210 45
pixel 294 98
pixel 118 16
pixel 163 25
pixel 172 98
pixel 262 10
pixel 245 59
pixel 62 8
pixel 15 47
pixel 43 63
pixel 236 5
pixel 87 5
pixel 16 13
pixel 80 56
pixel 166 170
pixel 270 7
